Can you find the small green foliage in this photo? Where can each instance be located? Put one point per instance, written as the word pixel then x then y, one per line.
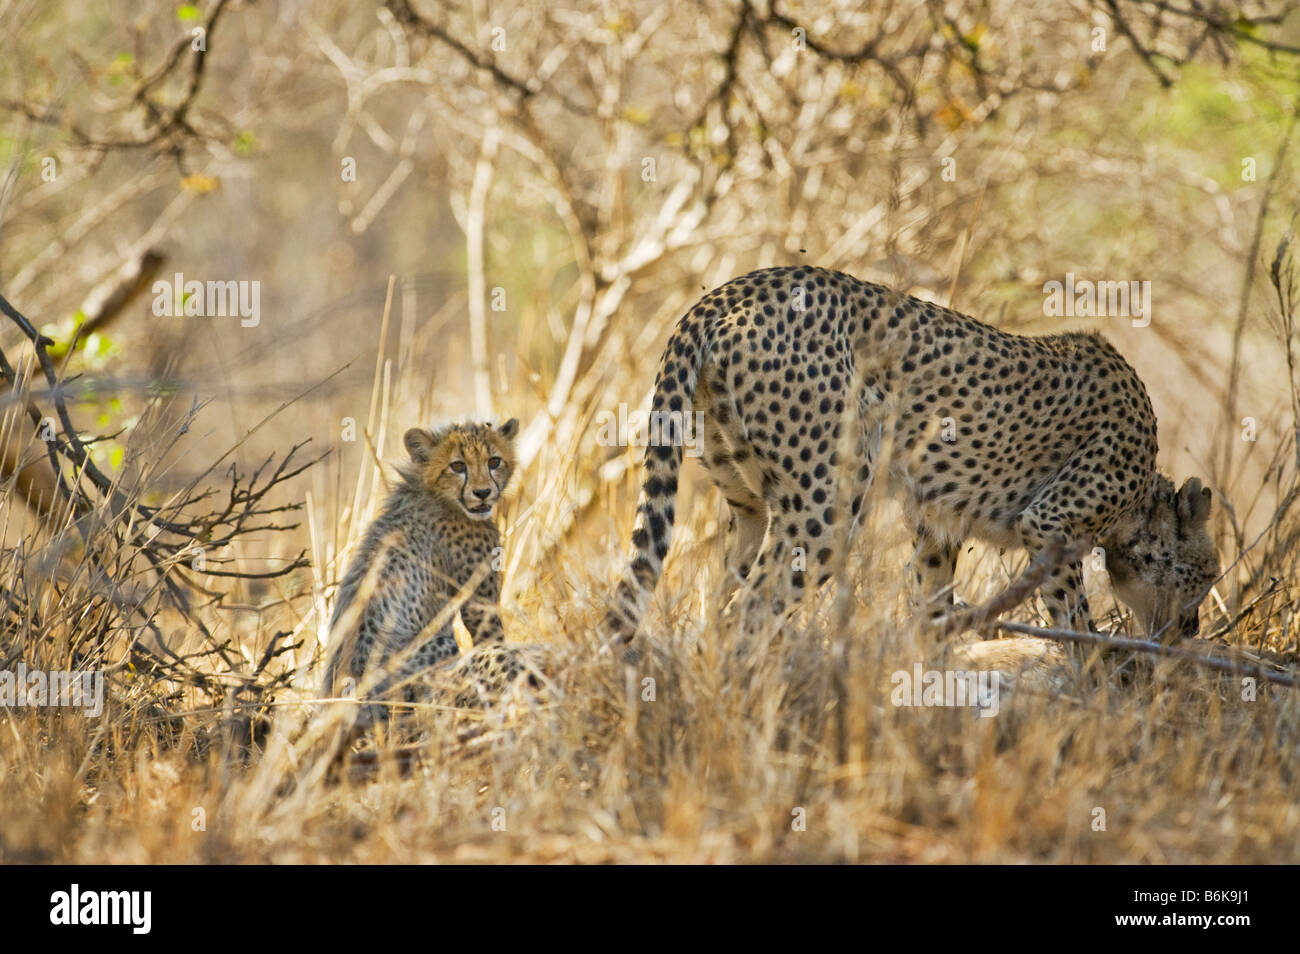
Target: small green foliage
pixel 120 69
pixel 98 348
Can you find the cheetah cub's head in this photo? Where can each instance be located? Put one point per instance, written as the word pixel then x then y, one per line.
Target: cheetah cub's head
pixel 1162 560
pixel 467 465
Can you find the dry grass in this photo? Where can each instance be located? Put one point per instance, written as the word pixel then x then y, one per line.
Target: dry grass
pixel 786 749
pixel 530 179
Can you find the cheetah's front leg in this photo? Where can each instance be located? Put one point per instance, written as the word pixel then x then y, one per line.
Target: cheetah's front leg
pixel 1063 594
pixel 481 612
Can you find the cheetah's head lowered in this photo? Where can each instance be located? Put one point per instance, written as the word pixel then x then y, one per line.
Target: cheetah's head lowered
pixel 1162 560
pixel 468 465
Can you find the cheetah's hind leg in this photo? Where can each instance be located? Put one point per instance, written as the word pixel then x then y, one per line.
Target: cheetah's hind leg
pixel 934 568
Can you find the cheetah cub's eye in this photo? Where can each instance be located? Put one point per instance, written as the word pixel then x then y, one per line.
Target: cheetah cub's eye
pixel 494 462
pixel 457 467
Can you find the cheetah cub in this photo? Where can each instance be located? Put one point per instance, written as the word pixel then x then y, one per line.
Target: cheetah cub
pixel 434 537
pixel 792 377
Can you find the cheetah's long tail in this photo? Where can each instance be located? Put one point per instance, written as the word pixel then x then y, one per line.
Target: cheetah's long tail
pixel 671 423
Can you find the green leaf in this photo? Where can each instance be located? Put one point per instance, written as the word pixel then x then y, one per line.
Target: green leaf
pixel 120 68
pixel 187 11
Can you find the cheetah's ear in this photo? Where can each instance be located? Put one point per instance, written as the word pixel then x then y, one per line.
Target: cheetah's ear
pixel 509 429
pixel 1194 502
pixel 419 444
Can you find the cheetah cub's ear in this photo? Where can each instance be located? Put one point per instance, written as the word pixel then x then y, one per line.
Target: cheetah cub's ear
pixel 419 444
pixel 509 429
pixel 1193 502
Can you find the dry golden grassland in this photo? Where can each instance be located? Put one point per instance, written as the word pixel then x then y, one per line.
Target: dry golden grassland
pixel 787 748
pixel 551 188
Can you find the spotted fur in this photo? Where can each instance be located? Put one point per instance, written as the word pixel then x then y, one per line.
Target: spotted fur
pixel 489 674
pixel 800 373
pixel 434 533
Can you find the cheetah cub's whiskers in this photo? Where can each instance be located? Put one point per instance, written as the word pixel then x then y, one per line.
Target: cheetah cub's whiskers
pixel 1018 441
pixel 434 540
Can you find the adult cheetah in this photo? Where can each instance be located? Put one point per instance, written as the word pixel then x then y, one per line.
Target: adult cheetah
pixel 434 536
pixel 798 374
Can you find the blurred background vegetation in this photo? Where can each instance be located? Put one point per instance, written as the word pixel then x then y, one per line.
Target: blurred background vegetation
pixel 603 164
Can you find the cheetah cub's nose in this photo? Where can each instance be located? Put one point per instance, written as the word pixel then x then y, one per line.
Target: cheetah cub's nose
pixel 483 494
